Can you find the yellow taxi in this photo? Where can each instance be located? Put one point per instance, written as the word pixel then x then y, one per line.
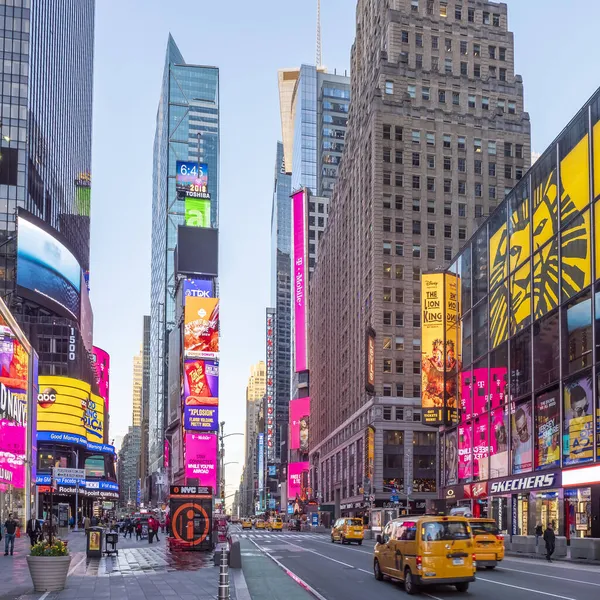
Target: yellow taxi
pixel 246 523
pixel 275 524
pixel 348 530
pixel 489 542
pixel 260 524
pixel 426 550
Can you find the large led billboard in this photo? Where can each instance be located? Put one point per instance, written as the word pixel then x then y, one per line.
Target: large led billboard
pixel 441 354
pixel 201 322
pixel 197 212
pixel 191 178
pixel 94 419
pixel 102 366
pixel 201 288
pixel 201 458
pixel 271 414
pixel 299 424
pixel 300 279
pixel 201 382
pixel 297 480
pixel 47 271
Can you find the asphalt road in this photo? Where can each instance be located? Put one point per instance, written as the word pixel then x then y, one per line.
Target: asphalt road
pixel 338 572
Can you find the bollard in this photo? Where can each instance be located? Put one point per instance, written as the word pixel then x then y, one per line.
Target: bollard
pixel 224 576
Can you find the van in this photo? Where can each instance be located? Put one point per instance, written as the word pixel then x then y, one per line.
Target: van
pixel 489 542
pixel 348 530
pixel 426 550
pixel 246 523
pixel 275 524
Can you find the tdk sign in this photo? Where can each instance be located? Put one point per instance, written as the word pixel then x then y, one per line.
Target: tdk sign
pixel 197 288
pixel 523 483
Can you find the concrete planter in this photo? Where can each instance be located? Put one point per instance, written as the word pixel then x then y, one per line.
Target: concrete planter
pixel 48 573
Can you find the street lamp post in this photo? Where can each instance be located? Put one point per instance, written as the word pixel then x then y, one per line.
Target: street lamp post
pixel 221 479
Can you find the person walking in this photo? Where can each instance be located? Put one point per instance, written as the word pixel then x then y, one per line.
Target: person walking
pixel 138 529
pixel 150 530
pixel 550 540
pixel 155 526
pixel 539 532
pixel 34 530
pixel 10 530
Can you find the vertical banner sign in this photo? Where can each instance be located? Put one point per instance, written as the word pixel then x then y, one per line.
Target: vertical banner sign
pixel 370 354
pixel 369 457
pixel 270 420
pixel 441 356
pixel 299 284
pixel 261 466
pixel 299 424
pixel 138 495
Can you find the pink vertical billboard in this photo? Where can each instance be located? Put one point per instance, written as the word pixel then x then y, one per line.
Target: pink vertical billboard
pixel 201 458
pixel 300 280
pixel 297 480
pixel 299 421
pixel 102 364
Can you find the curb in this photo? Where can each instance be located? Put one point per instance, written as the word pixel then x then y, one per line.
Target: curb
pixel 564 559
pixel 239 584
pixel 289 573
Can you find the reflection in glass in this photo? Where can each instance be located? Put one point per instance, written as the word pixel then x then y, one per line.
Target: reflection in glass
pixel 577 333
pixel 467 354
pixel 499 376
pixel 466 396
pixel 480 330
pixel 464 271
pixel 481 447
pixel 499 314
pixel 499 443
pixel 545 357
pixel 480 265
pixel 498 231
pixel 575 255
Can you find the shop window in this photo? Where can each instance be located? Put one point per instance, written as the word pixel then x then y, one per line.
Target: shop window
pixel 547 430
pixel 578 425
pixel 520 364
pixel 545 357
pixel 522 438
pixel 577 334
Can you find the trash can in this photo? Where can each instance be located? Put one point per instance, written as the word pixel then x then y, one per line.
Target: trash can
pixel 111 543
pixel 93 546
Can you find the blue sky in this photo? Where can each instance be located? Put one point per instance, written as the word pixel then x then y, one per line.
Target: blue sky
pixel 555 54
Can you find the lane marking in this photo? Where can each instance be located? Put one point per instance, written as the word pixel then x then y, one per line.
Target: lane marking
pixel 291 574
pixel 518 587
pixel 73 568
pixel 44 596
pixel 550 576
pixel 430 596
pixel 344 546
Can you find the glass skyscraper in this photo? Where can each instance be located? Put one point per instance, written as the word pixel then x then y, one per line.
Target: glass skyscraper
pixel 187 129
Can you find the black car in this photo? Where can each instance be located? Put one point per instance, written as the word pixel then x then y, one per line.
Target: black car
pixel 295 525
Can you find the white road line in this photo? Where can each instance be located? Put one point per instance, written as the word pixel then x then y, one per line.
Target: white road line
pixel 44 596
pixel 430 596
pixel 551 576
pixel 73 568
pixel 518 587
pixel 347 547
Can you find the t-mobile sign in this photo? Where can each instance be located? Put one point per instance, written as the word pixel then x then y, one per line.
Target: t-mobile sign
pixel 299 285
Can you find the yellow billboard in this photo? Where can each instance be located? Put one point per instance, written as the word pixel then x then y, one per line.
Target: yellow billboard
pixel 201 320
pixel 67 406
pixel 370 454
pixel 440 344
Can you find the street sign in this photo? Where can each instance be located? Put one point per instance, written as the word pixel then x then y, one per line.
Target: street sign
pixel 372 498
pixel 315 519
pixel 409 490
pixel 76 474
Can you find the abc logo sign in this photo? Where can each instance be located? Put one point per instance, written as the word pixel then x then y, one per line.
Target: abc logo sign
pixel 47 397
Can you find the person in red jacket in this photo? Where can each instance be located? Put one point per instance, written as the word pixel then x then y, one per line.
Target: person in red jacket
pixel 153 526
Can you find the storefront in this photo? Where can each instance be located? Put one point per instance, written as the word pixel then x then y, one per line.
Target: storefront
pixel 582 501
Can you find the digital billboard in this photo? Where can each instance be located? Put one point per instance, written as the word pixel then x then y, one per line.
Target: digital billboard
pixel 201 288
pixel 370 453
pixel 197 212
pixel 201 321
pixel 270 388
pixel 102 365
pixel 201 418
pixel 441 353
pixel 370 359
pixel 261 463
pixel 451 458
pixel 547 427
pixel 201 458
pixel 94 419
pixel 192 178
pixel 578 425
pixel 300 279
pixel 47 271
pixel 201 382
pixel 297 480
pixel 522 439
pixel 299 423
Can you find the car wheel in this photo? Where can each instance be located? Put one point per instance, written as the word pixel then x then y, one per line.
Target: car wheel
pixel 462 587
pixel 342 540
pixel 377 570
pixel 410 587
pixel 332 540
pixel 360 542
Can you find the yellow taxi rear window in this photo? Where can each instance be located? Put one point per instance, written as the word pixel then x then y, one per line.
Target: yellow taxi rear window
pixel 354 522
pixel 437 531
pixel 484 527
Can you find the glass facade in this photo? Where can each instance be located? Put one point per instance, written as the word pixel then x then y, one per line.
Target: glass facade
pixel 187 128
pixel 530 287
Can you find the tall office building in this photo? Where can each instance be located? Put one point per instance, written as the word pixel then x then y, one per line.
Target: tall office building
pixel 138 375
pixel 143 465
pixel 127 468
pixel 45 163
pixel 437 136
pixel 187 129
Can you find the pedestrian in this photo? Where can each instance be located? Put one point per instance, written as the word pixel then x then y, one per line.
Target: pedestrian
pixel 34 530
pixel 539 532
pixel 150 530
pixel 155 526
pixel 168 523
pixel 138 530
pixel 10 530
pixel 86 523
pixel 550 540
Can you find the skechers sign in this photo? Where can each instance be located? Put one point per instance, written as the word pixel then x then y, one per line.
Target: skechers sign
pixel 518 484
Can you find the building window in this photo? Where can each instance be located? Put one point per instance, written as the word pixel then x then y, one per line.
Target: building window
pixel 399 367
pixel 486 18
pixel 416 159
pixel 399 202
pixel 478 211
pixel 387 178
pixel 462 233
pixel 399 295
pixel 447 186
pixel 477 70
pixel 399 323
pixel 448 66
pixel 518 150
pixel 416 252
pixel 458 13
pixel 448 231
pixel 462 209
pixel 399 249
pixel 448 44
pixel 500 105
pixel 400 340
pixel 447 140
pixel 442 96
pixel 416 136
pixel 414 5
pixel 399 413
pixel 416 366
pixel 430 138
pixel 387 364
pixel 431 229
pixel 399 157
pixel 464 68
pixel 476 50
pixel 471 15
pixel 416 205
pixel 412 91
pixel 416 273
pixel 478 190
pixel 492 72
pixel 398 133
pixel 447 209
pixel 502 75
pixel 417 321
pixel 387 294
pixel 502 53
pixel 419 61
pixel 387 248
pixel 492 52
pixel 462 142
pixel 508 171
pixel 399 271
pixel 404 36
pixel 512 108
pixel 443 9
pixel 471 101
pixel 416 227
pixel 462 188
pixel 431 252
pixel 387 343
pixel 431 207
pixel 416 182
pixel 462 165
pixel 477 165
pixel 419 40
pixel 387 132
pixel 492 169
pixel 464 47
pixel 492 148
pixel 398 180
pixel 387 317
pixel 456 98
pixel 425 93
pixel 447 253
pixel 492 192
pixel 399 226
pixel 477 145
pixel 387 224
pixel 430 161
pixel 387 201
pixel 387 391
pixel 417 300
pixel 447 163
pixel 387 155
pixel 389 87
pixel 485 103
pixel 508 149
pixel 496 20
pixel 435 42
pixel 399 391
pixel 431 184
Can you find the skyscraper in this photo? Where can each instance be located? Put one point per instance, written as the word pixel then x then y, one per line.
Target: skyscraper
pixel 138 375
pixel 143 471
pixel 45 164
pixel 438 136
pixel 187 129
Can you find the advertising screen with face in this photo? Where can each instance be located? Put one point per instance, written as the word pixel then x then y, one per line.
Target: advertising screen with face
pixel 499 443
pixel 522 439
pixel 201 337
pixel 299 421
pixel 547 427
pixel 465 453
pixel 451 458
pixel 578 426
pixel 297 479
pixel 201 458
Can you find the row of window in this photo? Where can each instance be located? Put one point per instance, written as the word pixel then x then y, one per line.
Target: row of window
pixel 487 17
pixel 462 185
pixel 431 227
pixel 399 294
pixel 461 164
pixel 502 105
pixel 396 438
pixel 402 391
pixel 399 322
pixel 416 207
pixel 493 52
pixel 417 252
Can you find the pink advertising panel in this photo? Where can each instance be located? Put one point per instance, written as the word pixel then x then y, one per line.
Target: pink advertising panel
pixel 299 420
pixel 481 448
pixel 102 364
pixel 297 479
pixel 465 463
pixel 300 279
pixel 201 458
pixel 12 453
pixel 499 443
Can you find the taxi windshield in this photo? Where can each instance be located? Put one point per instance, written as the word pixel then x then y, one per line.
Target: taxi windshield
pixel 444 530
pixel 484 528
pixel 354 522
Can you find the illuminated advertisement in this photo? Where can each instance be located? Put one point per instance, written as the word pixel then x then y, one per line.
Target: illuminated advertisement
pixel 465 457
pixel 481 448
pixel 370 453
pixel 197 212
pixel 522 439
pixel 201 458
pixel 201 418
pixel 191 178
pixel 298 480
pixel 547 430
pixel 441 355
pixel 300 279
pixel 299 422
pixel 201 383
pixel 102 365
pixel 261 462
pixel 270 389
pixel 94 419
pixel 451 458
pixel 46 269
pixel 199 288
pixel 578 426
pixel 201 321
pixel 370 352
pixel 499 443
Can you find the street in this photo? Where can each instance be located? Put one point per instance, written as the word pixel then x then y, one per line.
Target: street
pixel 338 572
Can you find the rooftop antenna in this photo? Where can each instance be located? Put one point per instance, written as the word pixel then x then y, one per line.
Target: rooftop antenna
pixel 319 54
